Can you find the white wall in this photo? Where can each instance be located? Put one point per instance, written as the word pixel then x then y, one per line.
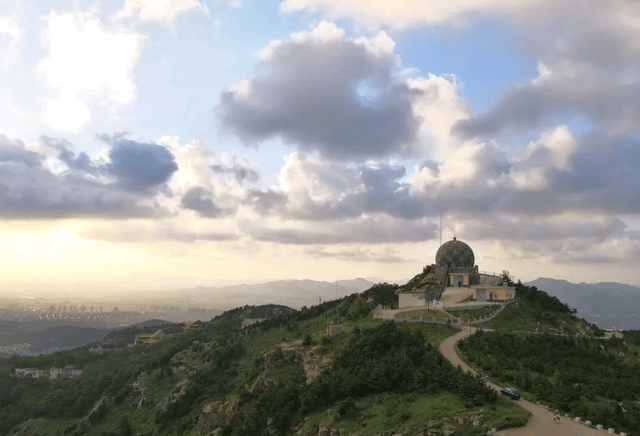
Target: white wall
pixel 411 300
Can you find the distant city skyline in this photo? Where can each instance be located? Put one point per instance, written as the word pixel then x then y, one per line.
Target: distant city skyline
pixel 157 144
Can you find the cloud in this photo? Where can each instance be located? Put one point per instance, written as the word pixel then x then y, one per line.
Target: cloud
pixel 367 230
pixel 86 62
pixel 323 92
pixel 320 190
pixel 199 200
pixel 16 152
pixel 56 183
pixel 155 231
pixel 162 11
pixel 594 228
pixel 406 13
pixel 555 174
pixel 242 171
pixel 10 35
pixel 611 106
pixel 139 166
pixel 356 254
pixel 212 184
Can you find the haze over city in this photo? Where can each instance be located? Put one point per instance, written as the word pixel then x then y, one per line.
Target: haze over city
pixel 157 144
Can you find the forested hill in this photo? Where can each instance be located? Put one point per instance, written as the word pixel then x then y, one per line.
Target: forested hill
pixel 283 375
pixel 288 373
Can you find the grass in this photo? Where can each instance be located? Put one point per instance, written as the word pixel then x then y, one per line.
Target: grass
pixel 520 317
pixel 425 313
pixel 433 333
pixel 473 313
pixel 411 413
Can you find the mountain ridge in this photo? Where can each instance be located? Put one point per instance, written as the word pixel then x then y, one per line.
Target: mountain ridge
pixel 607 304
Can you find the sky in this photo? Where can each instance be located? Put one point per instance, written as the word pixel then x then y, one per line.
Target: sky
pixel 163 143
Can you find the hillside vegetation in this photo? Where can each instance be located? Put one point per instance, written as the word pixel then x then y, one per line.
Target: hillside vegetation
pixel 285 376
pixel 536 311
pixel 565 365
pixel 280 376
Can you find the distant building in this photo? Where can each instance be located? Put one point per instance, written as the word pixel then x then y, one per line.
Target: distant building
pixel 193 326
pixel 151 338
pixel 69 371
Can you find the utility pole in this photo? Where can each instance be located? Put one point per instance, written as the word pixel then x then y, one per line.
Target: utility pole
pixel 440 228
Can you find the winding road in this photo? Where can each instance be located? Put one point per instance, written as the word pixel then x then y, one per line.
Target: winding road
pixel 541 422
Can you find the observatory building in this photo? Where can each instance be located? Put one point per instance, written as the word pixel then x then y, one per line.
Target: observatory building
pixel 454 275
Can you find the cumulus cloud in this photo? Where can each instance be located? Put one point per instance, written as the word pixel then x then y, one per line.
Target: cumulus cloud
pixel 161 11
pixel 139 166
pixel 587 52
pixel 56 182
pixel 10 35
pixel 554 174
pixel 324 190
pixel 324 92
pixel 211 184
pixel 86 62
pixel 199 200
pixel 15 151
pixel 611 106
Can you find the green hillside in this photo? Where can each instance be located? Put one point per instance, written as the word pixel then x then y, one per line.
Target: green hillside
pixel 279 376
pixel 559 360
pixel 284 375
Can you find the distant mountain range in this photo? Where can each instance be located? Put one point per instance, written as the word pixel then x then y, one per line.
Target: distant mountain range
pixel 607 304
pixel 292 293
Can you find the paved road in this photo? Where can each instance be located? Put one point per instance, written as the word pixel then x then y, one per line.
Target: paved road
pixel 541 423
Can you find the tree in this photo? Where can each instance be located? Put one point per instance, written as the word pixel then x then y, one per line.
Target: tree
pixel 506 277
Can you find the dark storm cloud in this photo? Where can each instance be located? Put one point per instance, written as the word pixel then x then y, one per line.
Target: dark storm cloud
pixel 140 166
pixel 332 96
pixel 199 200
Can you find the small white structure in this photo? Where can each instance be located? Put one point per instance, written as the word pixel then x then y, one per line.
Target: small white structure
pixel 333 330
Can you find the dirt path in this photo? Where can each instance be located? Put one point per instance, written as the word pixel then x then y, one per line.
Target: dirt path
pixel 541 423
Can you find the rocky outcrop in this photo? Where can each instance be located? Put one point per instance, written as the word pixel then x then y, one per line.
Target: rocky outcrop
pixel 213 416
pixel 209 420
pixel 178 391
pixel 187 360
pixel 264 381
